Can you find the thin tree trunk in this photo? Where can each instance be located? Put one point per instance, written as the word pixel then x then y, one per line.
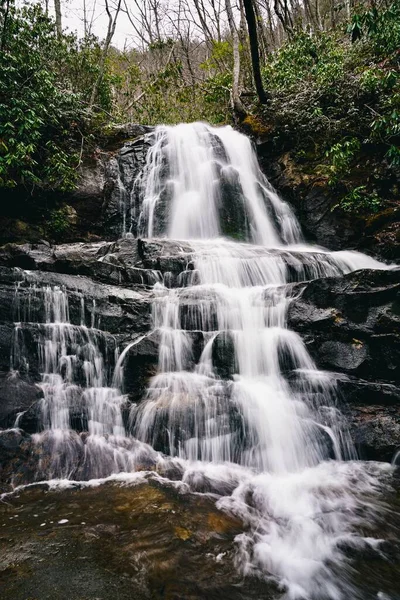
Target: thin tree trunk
pixel 237 104
pixel 85 23
pixel 112 22
pixel 318 15
pixel 206 31
pixel 270 24
pixel 255 57
pixel 4 14
pixel 243 47
pixel 333 14
pixel 57 8
pixel 311 15
pixel 262 36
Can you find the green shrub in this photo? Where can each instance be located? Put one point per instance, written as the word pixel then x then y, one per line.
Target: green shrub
pixel 45 84
pixel 360 200
pixel 336 100
pixel 341 156
pixel 58 222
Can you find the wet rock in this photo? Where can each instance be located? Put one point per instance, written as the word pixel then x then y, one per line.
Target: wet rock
pixel 140 365
pixel 16 463
pixel 312 202
pixel 352 323
pixel 121 198
pixel 375 431
pixel 366 300
pixel 166 256
pixel 382 233
pixel 91 181
pixel 342 356
pixel 372 409
pixel 126 261
pixel 144 541
pixel 362 392
pixel 232 213
pixel 115 309
pixel 6 343
pixel 118 134
pixel 142 357
pixel 224 356
pixel 315 205
pixel 198 310
pixel 115 196
pixel 18 403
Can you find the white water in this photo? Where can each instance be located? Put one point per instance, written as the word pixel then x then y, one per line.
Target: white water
pixel 277 416
pixel 74 364
pixel 267 438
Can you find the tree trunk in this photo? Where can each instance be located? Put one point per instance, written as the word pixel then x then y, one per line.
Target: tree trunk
pixel 237 104
pixel 57 8
pixel 261 33
pixel 283 13
pixel 271 25
pixel 4 13
pixel 112 22
pixel 255 56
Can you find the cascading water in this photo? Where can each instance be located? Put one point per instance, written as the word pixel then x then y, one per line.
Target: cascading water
pixel 237 408
pixel 274 414
pixel 79 392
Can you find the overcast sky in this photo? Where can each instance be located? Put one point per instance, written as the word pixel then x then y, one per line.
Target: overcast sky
pixel 72 12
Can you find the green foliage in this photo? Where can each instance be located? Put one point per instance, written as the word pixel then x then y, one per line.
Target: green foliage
pixel 45 85
pixel 381 25
pixel 306 58
pixel 359 200
pixel 171 92
pixel 393 155
pixel 168 95
pixel 221 54
pixel 58 222
pixel 341 156
pixel 336 100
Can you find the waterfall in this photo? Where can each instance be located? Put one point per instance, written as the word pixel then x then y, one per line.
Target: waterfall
pixel 276 412
pixel 237 408
pixel 273 413
pixel 192 176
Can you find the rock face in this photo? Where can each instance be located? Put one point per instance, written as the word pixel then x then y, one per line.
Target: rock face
pixel 106 200
pixel 322 221
pixel 120 207
pixel 351 326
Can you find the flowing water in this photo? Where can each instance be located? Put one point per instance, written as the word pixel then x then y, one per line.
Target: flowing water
pixel 82 433
pixel 251 419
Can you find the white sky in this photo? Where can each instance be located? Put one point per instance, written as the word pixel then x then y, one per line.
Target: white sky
pixel 73 11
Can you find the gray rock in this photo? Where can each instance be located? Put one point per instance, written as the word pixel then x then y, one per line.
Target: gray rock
pixel 351 323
